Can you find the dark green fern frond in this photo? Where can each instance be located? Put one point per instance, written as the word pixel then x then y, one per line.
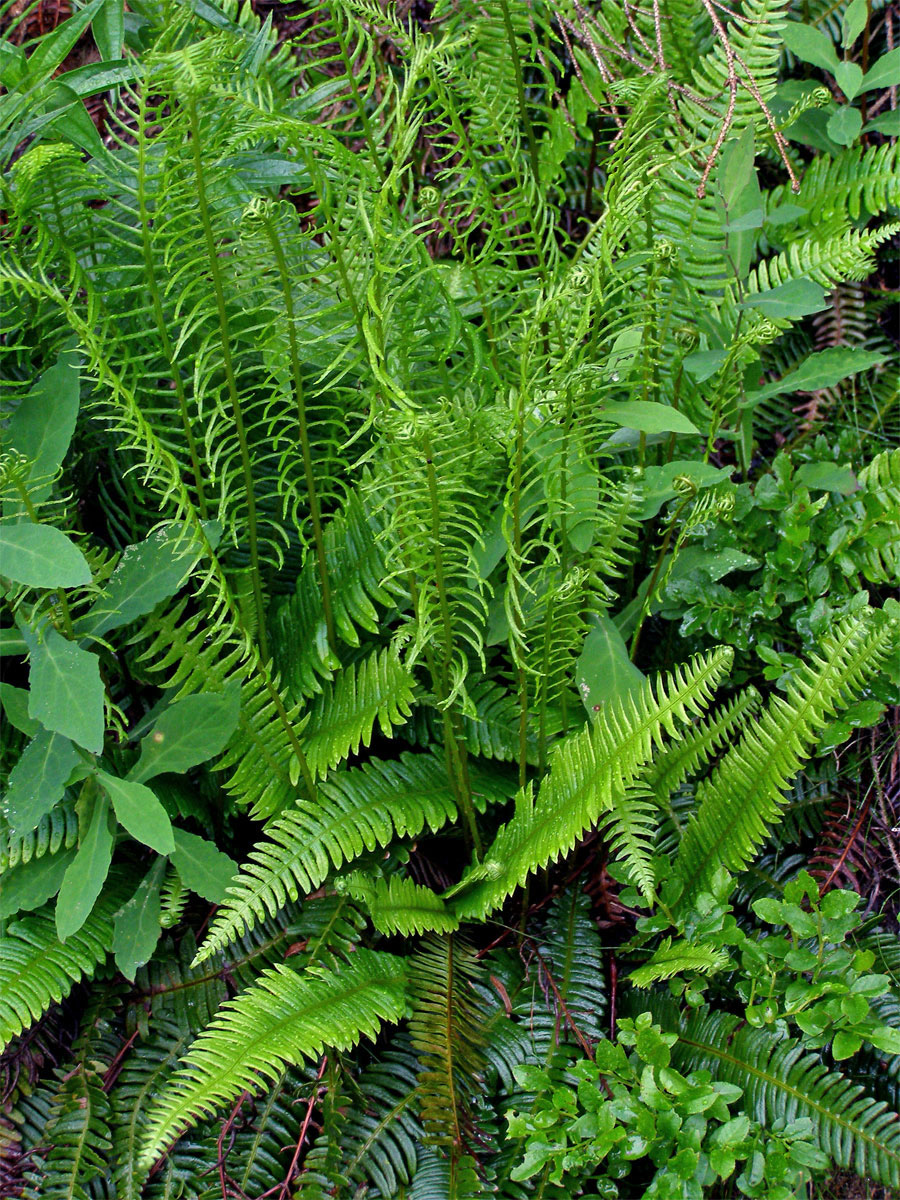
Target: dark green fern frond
pixel 77 1140
pixel 355 561
pixel 782 1082
pixel 741 798
pixel 284 1018
pixel 567 979
pixel 446 1030
pixel 145 1073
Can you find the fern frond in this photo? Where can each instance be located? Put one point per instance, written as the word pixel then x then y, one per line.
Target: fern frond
pixel 78 1136
pixel 675 958
pixel 782 1082
pixel 282 1019
pixel 741 798
pixel 447 1033
pixel 849 254
pixel 145 1073
pixel 879 540
pixel 355 562
pixel 37 969
pixel 587 771
pixel 567 999
pixel 377 689
pixel 685 757
pixel 399 905
pixel 860 179
pixel 355 811
pixel 630 828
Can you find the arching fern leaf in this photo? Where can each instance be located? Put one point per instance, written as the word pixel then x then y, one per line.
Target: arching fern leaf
pixel 282 1019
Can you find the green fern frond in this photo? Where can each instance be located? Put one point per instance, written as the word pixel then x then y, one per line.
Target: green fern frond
pixel 735 806
pixel 566 996
pixel 446 1030
pixel 355 811
pixel 782 1082
pixel 878 535
pixel 674 958
pixel 849 254
pixel 77 1139
pixel 145 1073
pixel 355 562
pixel 37 969
pixel 377 689
pixel 862 179
pixel 685 757
pixel 282 1019
pixel 630 829
pixel 399 905
pixel 587 771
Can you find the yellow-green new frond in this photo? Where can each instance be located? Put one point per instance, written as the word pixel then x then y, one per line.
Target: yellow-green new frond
pixel 37 969
pixel 399 905
pixel 738 802
pixel 379 689
pixel 587 771
pixel 354 812
pixel 674 958
pixel 282 1019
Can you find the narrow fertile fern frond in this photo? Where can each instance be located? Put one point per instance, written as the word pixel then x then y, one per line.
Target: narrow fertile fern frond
pixel 587 771
pixel 399 905
pixel 737 803
pixel 282 1019
pixel 358 810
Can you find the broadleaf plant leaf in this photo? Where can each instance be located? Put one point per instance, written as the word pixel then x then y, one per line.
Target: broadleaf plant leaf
pixel 38 780
pixel 189 732
pixel 85 876
pixel 31 884
pixel 822 370
pixel 146 574
pixel 66 690
pixel 136 927
pixel 40 556
pixel 41 429
pixel 202 867
pixel 604 671
pixel 792 300
pixel 139 811
pixel 648 417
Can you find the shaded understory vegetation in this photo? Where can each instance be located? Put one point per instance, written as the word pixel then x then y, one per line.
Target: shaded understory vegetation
pixel 449 545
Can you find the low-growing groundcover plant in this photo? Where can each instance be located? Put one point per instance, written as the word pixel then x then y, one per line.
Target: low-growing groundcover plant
pixel 450 536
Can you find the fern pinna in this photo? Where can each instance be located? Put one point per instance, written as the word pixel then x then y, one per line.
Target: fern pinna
pixel 449 519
